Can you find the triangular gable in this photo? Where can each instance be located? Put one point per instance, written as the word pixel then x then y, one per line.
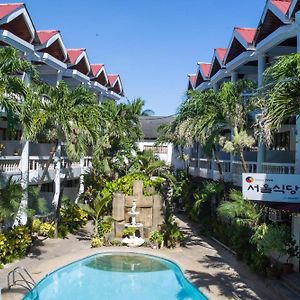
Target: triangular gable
pixel 51 42
pixel 203 73
pixel 79 60
pixel 15 18
pixel 192 81
pixel 273 17
pixel 99 74
pixel 294 7
pixel 115 84
pixel 241 40
pixel 217 61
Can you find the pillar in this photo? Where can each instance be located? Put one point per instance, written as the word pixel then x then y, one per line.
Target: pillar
pixel 57 182
pixel 21 217
pixel 81 179
pixel 260 78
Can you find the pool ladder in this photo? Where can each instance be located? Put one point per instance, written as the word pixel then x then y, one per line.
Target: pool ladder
pixel 26 281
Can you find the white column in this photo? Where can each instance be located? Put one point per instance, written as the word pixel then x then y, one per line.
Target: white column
pixel 81 179
pixel 216 87
pixel 260 78
pixel 57 161
pixel 234 77
pixel 21 217
pixel 59 77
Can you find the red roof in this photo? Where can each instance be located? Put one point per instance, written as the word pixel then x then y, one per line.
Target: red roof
pixel 221 52
pixel 282 5
pixel 96 68
pixel 246 33
pixel 74 54
pixel 45 35
pixel 6 9
pixel 112 78
pixel 205 68
pixel 193 78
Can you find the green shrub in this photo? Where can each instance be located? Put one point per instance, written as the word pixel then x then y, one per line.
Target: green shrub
pixel 3 249
pixel 47 229
pixel 72 217
pixel 18 241
pixel 157 238
pixel 35 225
pixel 104 227
pixel 96 242
pixel 129 231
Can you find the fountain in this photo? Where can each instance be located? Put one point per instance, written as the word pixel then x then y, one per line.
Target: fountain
pixel 133 240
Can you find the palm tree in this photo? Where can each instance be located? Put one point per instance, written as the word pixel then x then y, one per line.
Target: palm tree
pixel 10 197
pixel 283 94
pixel 235 109
pixel 69 118
pixel 95 209
pixel 13 92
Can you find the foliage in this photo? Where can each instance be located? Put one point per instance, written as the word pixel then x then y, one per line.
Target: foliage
pixel 171 232
pixel 47 229
pixel 125 185
pixel 277 239
pixel 129 231
pixel 37 205
pixel 105 226
pixel 157 237
pixel 36 225
pixel 97 241
pixel 72 216
pixel 238 209
pixel 96 209
pixel 14 244
pixel 10 198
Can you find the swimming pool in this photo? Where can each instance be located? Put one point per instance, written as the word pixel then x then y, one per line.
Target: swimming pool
pixel 114 276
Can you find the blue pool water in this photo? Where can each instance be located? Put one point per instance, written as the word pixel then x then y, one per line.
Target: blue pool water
pixel 114 276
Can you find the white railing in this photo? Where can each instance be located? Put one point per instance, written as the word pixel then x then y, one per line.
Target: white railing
pixel 205 163
pixel 38 163
pixel 278 168
pixel 10 164
pixel 87 162
pixel 225 165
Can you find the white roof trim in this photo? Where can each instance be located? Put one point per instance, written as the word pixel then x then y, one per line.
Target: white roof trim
pixel 19 11
pixel 276 37
pixel 292 7
pixel 102 69
pixel 113 95
pixel 84 56
pixel 241 59
pixel 51 41
pixel 16 42
pixel 275 10
pixel 98 87
pixel 76 75
pixel 49 60
pixel 215 56
pixel 205 78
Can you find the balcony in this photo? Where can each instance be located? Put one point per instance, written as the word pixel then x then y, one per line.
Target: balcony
pixel 10 166
pixel 232 171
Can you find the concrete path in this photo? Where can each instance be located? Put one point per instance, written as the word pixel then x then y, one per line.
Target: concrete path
pixel 212 269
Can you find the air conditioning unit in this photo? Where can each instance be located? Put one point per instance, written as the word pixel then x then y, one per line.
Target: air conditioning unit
pixel 276 215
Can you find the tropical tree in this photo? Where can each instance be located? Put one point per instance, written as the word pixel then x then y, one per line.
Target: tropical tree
pixel 10 197
pixel 236 109
pixel 14 92
pixel 69 118
pixel 240 210
pixel 283 91
pixel 96 210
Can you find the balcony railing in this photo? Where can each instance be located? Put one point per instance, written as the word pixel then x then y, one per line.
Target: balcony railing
pixel 11 164
pixel 232 171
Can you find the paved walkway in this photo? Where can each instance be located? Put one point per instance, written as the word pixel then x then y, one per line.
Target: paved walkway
pixel 211 268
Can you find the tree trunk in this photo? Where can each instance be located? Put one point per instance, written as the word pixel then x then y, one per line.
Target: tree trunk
pixel 244 164
pixel 50 160
pixel 57 209
pixel 216 154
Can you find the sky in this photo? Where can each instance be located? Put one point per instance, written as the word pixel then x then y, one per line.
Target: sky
pixel 152 44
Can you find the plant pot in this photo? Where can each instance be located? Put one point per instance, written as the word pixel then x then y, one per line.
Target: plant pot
pixel 287 268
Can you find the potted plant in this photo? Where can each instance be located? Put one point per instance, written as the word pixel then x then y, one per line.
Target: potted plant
pixel 129 231
pixel 157 239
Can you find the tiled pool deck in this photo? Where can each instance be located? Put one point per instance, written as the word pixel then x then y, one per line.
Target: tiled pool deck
pixel 214 270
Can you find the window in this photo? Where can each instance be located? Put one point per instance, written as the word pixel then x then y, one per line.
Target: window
pixel 281 141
